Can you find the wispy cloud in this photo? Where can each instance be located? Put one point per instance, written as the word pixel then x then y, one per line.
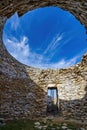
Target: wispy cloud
pixel 57 43
pixel 18 49
pixel 15 21
pixel 60 64
pixel 54 43
pixel 21 50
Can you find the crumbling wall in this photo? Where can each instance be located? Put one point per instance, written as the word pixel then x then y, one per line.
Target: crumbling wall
pixel 72 88
pixel 23 89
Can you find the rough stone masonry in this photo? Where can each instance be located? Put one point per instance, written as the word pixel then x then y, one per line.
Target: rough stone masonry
pixel 23 89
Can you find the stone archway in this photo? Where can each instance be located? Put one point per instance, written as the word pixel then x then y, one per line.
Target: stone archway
pixel 17 80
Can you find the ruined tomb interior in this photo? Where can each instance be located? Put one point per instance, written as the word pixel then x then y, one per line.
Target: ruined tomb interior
pixel 24 89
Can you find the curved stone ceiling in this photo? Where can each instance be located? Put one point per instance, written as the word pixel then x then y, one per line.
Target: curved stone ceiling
pixel 77 7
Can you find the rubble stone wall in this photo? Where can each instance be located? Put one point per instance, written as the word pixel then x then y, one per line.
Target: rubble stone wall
pixel 23 89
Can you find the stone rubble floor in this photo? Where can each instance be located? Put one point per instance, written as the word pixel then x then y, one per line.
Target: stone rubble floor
pixel 40 125
pixel 63 126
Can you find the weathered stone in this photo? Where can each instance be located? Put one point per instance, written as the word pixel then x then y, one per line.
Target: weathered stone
pixel 37 123
pixel 23 89
pixel 44 127
pixel 82 128
pixel 2 122
pixel 64 127
pixel 53 128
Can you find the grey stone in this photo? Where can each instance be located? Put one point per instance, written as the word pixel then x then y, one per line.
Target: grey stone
pixel 82 129
pixel 64 127
pixel 37 123
pixel 53 128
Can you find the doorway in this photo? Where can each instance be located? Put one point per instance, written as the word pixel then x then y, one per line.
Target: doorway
pixel 52 100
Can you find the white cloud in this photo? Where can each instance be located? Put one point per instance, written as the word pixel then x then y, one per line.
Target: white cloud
pixel 15 21
pixel 18 49
pixel 60 64
pixel 54 43
pixel 21 50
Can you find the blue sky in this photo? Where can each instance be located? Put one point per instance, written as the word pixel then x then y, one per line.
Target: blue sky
pixel 46 38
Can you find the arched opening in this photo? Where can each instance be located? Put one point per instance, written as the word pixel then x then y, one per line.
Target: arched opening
pixel 52 38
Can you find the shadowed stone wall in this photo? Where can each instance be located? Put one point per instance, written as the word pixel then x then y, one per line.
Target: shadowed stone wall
pixel 23 89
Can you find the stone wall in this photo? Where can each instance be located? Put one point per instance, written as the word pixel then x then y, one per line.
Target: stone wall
pixel 72 88
pixel 23 89
pixel 27 96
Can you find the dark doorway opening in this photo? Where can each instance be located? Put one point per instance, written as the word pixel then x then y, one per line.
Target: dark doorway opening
pixel 52 100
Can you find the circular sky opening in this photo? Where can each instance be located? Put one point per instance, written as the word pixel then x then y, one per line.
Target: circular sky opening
pixel 47 37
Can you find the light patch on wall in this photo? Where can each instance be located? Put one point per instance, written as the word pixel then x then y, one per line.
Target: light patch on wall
pixel 70 92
